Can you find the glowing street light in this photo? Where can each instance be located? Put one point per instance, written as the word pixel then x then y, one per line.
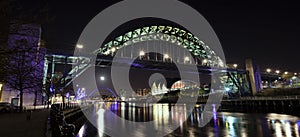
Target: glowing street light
pixel 79 46
pixel 166 56
pixel 186 59
pixel 102 78
pixel 205 61
pixel 235 65
pixel 295 74
pixel 268 70
pixel 286 73
pixel 142 53
pixel 113 49
pixel 277 71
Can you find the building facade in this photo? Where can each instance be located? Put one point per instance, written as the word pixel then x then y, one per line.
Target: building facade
pixel 32 58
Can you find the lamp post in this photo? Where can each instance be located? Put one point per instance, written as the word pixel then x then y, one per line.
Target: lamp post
pixel 141 54
pixel 102 78
pixel 79 46
pixel 166 56
pixel 235 65
pixel 186 59
pixel 269 81
pixel 268 70
pixel 204 62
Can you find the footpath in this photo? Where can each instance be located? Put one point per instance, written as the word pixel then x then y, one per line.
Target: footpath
pixel 20 125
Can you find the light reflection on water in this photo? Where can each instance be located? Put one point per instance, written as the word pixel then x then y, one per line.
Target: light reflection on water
pixel 223 124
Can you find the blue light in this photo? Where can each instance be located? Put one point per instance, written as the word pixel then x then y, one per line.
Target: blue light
pixel 68 95
pixel 51 89
pixel 227 89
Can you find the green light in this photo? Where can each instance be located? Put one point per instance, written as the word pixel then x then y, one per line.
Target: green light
pixel 170 34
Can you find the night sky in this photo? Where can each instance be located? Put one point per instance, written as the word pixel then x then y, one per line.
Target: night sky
pixel 267 32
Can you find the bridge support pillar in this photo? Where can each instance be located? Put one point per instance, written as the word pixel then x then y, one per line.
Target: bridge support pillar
pixel 254 76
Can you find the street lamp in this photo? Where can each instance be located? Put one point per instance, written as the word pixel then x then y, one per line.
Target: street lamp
pixel 204 61
pixel 79 46
pixel 277 71
pixel 113 49
pixel 235 65
pixel 186 59
pixel 269 83
pixel 102 78
pixel 166 56
pixel 286 73
pixel 142 53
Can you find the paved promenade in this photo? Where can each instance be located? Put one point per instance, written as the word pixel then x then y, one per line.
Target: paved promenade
pixel 17 124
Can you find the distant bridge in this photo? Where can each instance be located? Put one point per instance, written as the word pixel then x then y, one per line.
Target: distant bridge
pixel 235 82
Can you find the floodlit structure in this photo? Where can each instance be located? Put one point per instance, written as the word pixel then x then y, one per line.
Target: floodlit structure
pixel 137 42
pixel 25 43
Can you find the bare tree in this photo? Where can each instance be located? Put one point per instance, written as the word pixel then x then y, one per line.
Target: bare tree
pixel 24 72
pixel 17 63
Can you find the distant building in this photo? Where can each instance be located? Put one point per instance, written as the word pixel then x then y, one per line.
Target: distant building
pixel 32 34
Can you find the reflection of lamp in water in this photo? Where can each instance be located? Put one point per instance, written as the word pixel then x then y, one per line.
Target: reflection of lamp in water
pixel 1 85
pixel 287 126
pixel 231 120
pixel 215 114
pixel 278 129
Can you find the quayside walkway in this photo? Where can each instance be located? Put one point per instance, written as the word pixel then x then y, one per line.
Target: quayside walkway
pixel 18 125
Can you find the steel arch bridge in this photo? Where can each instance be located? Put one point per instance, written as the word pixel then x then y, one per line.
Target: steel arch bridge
pixel 174 35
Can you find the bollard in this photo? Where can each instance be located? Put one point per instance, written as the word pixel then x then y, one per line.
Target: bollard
pixel 28 114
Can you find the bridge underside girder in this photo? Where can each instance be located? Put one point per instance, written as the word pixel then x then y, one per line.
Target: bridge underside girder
pixel 234 80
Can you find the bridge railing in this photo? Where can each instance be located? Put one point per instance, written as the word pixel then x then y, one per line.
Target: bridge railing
pixel 269 98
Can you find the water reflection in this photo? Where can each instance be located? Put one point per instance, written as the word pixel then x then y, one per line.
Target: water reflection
pixel 223 124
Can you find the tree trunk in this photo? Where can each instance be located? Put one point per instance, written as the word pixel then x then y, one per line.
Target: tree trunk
pixel 48 101
pixel 63 99
pixel 35 99
pixel 21 100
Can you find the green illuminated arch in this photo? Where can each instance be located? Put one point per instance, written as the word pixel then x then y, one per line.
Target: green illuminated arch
pixel 170 34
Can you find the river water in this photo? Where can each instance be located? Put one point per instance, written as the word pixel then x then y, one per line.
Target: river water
pixel 223 124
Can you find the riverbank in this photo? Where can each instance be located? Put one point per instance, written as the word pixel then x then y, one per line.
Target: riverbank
pixel 274 92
